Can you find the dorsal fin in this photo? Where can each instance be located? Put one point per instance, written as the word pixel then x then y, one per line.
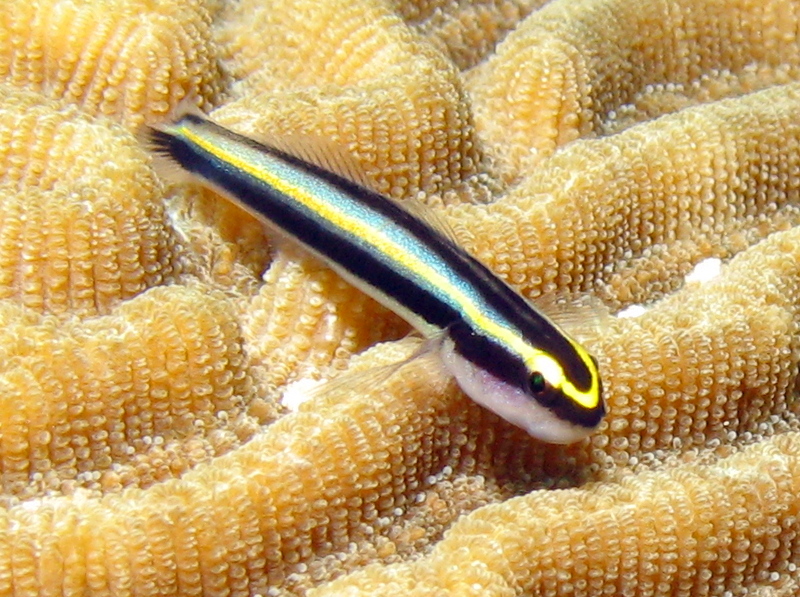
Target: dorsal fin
pixel 582 315
pixel 309 148
pixel 320 152
pixel 433 218
pixel 328 156
pixel 189 105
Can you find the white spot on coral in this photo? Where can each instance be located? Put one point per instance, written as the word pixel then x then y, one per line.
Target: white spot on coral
pixel 632 311
pixel 31 505
pixel 298 392
pixel 704 271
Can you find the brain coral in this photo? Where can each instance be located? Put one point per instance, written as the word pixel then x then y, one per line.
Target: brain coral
pixel 155 340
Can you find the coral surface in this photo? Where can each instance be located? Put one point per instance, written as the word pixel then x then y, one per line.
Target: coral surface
pixel 162 426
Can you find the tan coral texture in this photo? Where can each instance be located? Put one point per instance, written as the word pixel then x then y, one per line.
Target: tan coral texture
pixel 165 428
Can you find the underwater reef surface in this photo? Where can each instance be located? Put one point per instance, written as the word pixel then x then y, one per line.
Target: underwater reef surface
pixel 155 342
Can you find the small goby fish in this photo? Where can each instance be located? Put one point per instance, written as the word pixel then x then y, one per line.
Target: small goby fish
pixel 503 352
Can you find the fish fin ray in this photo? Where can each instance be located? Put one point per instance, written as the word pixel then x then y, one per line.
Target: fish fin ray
pixel 369 379
pixel 581 315
pixel 328 156
pixel 320 152
pixel 433 218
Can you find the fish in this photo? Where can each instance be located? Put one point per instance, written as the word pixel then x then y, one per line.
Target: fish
pixel 503 352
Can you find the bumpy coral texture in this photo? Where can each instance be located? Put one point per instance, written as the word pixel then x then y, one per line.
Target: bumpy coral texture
pixel 156 341
pixel 130 60
pixel 79 233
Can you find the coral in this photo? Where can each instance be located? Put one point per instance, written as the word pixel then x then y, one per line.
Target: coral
pixel 467 31
pixel 694 524
pixel 84 396
pixel 578 67
pixel 78 232
pixel 648 208
pixel 132 60
pixel 302 299
pixel 157 346
pixel 370 85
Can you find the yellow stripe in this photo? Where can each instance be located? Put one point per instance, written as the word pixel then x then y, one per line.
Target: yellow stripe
pixel 385 246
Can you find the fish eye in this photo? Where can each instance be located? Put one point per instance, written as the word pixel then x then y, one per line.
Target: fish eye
pixel 538 384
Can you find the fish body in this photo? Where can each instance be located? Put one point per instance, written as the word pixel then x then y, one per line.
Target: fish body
pixel 503 352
